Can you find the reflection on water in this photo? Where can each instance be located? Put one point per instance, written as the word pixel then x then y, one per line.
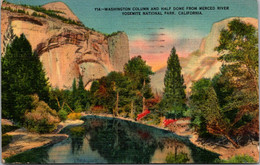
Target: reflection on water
pixel 107 140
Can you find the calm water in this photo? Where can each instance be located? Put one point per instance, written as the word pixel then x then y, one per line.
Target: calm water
pixel 107 140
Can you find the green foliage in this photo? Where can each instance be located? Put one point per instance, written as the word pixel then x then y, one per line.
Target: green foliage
pixel 238 159
pixel 174 97
pixel 138 71
pixel 227 105
pixel 78 99
pixel 237 84
pixel 13 10
pixel 238 48
pixel 22 76
pixel 6 139
pixel 21 11
pixel 63 114
pixel 153 118
pixel 41 118
pixel 197 104
pixel 239 44
pixel 81 85
pixel 207 116
pixel 83 97
pixel 58 98
pixel 54 14
pixel 78 106
pixel 123 94
pixel 8 128
pixel 51 13
pixel 178 158
pixel 107 89
pixel 74 88
pixel 4 1
pixel 38 15
pixel 113 34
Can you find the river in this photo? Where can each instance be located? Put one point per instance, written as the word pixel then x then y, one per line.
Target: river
pixel 110 140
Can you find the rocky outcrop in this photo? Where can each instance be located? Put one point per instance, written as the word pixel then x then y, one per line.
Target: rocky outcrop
pixel 63 9
pixel 66 51
pixel 203 62
pixel 118 45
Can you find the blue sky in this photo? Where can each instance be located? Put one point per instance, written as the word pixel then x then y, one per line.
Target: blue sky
pixel 176 28
pixel 109 22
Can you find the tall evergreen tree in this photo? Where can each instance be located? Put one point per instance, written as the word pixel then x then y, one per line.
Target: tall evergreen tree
pixel 81 84
pixel 74 88
pixel 173 102
pixel 22 76
pixel 81 98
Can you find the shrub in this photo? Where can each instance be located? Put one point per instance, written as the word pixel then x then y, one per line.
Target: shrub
pixel 42 118
pixel 21 11
pixel 8 128
pixel 6 139
pixel 54 14
pixel 74 116
pixel 38 15
pixel 154 118
pixel 238 159
pixel 63 114
pixel 78 107
pixel 179 158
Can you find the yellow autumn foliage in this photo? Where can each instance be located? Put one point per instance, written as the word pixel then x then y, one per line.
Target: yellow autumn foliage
pixel 74 116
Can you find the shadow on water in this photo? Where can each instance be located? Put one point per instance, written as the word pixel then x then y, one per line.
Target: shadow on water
pixel 115 141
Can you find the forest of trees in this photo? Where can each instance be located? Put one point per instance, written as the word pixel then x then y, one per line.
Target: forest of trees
pixel 227 104
pixel 27 96
pixel 224 106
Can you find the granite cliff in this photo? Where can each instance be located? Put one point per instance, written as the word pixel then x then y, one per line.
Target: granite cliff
pixel 203 62
pixel 66 48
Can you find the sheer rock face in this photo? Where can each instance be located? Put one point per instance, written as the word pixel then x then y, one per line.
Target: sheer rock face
pixel 64 10
pixel 118 45
pixel 66 51
pixel 203 62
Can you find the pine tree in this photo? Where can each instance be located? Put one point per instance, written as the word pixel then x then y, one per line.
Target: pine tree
pixel 22 76
pixel 173 102
pixel 81 84
pixel 74 88
pixel 81 95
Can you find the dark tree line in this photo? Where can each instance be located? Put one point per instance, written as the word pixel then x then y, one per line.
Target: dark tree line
pixel 22 76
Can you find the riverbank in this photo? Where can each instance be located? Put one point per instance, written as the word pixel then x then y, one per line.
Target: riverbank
pixel 23 140
pixel 66 123
pixel 181 128
pixel 225 151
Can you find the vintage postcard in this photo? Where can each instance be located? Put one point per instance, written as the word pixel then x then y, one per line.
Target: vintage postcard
pixel 132 82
